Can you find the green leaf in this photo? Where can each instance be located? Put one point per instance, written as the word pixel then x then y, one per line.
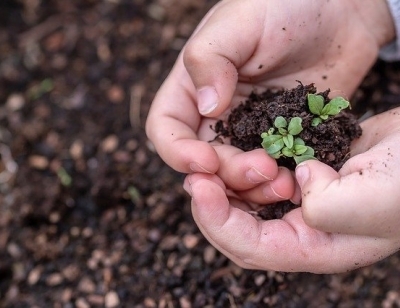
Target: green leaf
pixel 315 103
pixel 287 152
pixel 340 102
pixel 299 141
pixel 310 151
pixel 282 131
pixel 299 149
pixel 288 141
pixel 280 122
pixel 65 178
pixel 276 147
pixel 295 127
pixel 273 144
pixel 276 155
pixel 316 121
pixel 300 159
pixel 335 106
pixel 270 139
pixel 134 194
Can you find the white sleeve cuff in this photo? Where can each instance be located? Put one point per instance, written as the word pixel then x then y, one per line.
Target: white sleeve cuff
pixel 391 52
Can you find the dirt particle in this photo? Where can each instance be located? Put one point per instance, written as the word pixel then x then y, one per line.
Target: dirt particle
pixel 249 120
pixel 190 241
pixel 116 94
pixel 111 299
pixel 38 162
pixel 110 144
pixel 54 279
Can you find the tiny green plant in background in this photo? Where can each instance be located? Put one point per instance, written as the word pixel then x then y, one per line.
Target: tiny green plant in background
pixel 64 177
pixel 280 140
pixel 38 90
pixel 324 111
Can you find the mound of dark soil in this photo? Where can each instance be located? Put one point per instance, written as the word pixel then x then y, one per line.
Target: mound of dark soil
pixel 330 140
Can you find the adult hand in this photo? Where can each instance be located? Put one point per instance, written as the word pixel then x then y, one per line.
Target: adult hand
pixel 348 219
pixel 241 46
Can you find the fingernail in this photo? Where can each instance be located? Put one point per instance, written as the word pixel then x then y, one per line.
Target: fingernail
pixel 187 186
pixel 255 176
pixel 302 174
pixel 195 167
pixel 270 193
pixel 207 99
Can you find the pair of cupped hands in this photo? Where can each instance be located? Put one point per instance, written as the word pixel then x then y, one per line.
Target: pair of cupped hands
pixel 347 219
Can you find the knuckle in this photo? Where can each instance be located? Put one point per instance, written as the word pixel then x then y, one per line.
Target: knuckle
pixel 192 54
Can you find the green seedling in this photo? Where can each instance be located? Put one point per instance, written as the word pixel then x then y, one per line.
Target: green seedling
pixel 280 140
pixel 324 111
pixel 64 177
pixel 37 91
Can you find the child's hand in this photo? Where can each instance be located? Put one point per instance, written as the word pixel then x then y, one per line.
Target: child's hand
pixel 241 46
pixel 246 45
pixel 363 198
pixel 347 219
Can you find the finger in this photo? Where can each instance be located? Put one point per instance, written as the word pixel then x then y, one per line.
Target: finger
pixel 361 196
pixel 244 170
pixel 281 188
pixel 280 245
pixel 231 195
pixel 172 126
pixel 214 53
pixel 296 198
pixel 376 129
pixel 194 177
pixel 355 203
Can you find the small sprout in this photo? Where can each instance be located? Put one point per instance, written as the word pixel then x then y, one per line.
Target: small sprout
pixel 37 91
pixel 134 194
pixel 64 177
pixel 323 112
pixel 280 141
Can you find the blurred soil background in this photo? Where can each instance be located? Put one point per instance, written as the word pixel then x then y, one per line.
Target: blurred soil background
pixel 89 214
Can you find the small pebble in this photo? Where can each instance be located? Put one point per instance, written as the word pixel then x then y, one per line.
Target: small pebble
pixel 116 94
pixel 86 285
pixel 209 254
pixel 14 250
pixel 110 144
pixel 76 149
pixel 95 299
pixel 15 102
pixel 38 162
pixel 54 279
pixel 111 299
pixel 190 241
pixel 82 303
pixel 34 275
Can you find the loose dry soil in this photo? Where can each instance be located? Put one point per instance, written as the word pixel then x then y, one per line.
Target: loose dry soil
pixel 92 217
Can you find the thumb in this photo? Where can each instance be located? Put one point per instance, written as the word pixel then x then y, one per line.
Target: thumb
pixel 215 78
pixel 314 179
pixel 215 52
pixel 337 203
